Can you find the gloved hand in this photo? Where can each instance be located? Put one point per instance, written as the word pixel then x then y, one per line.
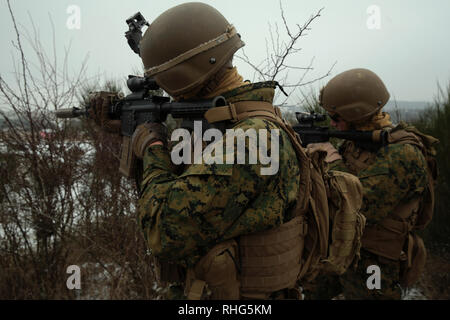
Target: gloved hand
pixel 332 153
pixel 146 134
pixel 99 103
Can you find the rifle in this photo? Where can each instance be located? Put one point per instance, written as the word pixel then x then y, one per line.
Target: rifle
pixel 310 133
pixel 141 105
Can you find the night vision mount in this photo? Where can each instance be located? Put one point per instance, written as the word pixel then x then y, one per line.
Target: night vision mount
pixel 134 34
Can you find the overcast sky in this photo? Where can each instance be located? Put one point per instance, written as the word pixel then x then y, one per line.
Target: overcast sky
pixel 406 42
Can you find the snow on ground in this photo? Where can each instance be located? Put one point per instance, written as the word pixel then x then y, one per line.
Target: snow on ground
pixel 97 279
pixel 413 294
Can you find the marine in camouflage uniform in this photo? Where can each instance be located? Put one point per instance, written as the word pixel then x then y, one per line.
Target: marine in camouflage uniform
pixel 187 215
pixel 391 175
pixel 184 216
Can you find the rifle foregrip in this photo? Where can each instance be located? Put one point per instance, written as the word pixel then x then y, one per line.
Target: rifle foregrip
pixel 128 159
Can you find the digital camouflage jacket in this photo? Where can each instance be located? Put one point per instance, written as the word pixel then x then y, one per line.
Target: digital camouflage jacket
pixel 396 174
pixel 184 216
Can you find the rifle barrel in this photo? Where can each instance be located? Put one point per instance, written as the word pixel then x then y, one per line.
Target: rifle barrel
pixel 366 136
pixel 70 113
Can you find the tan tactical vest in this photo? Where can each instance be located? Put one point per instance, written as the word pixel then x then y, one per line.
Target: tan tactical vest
pixel 393 238
pixel 255 266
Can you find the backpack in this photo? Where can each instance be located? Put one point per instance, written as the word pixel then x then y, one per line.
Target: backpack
pixel 335 225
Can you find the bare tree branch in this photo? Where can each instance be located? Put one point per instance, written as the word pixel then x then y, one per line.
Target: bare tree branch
pixel 275 65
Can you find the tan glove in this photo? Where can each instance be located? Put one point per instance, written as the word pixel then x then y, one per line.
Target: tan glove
pixel 99 104
pixel 146 134
pixel 332 153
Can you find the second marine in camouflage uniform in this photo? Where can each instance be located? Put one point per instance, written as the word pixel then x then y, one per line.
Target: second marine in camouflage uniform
pixel 395 174
pixel 392 177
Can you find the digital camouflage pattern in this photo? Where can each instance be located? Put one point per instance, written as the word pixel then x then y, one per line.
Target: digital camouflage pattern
pixel 395 174
pixel 261 91
pixel 184 216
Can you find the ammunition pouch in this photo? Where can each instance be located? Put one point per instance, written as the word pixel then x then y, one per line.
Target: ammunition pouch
pixel 267 262
pixel 387 238
pixel 270 260
pixel 393 239
pixel 215 276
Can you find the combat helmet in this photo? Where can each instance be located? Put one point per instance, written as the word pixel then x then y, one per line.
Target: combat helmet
pixel 355 95
pixel 186 46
